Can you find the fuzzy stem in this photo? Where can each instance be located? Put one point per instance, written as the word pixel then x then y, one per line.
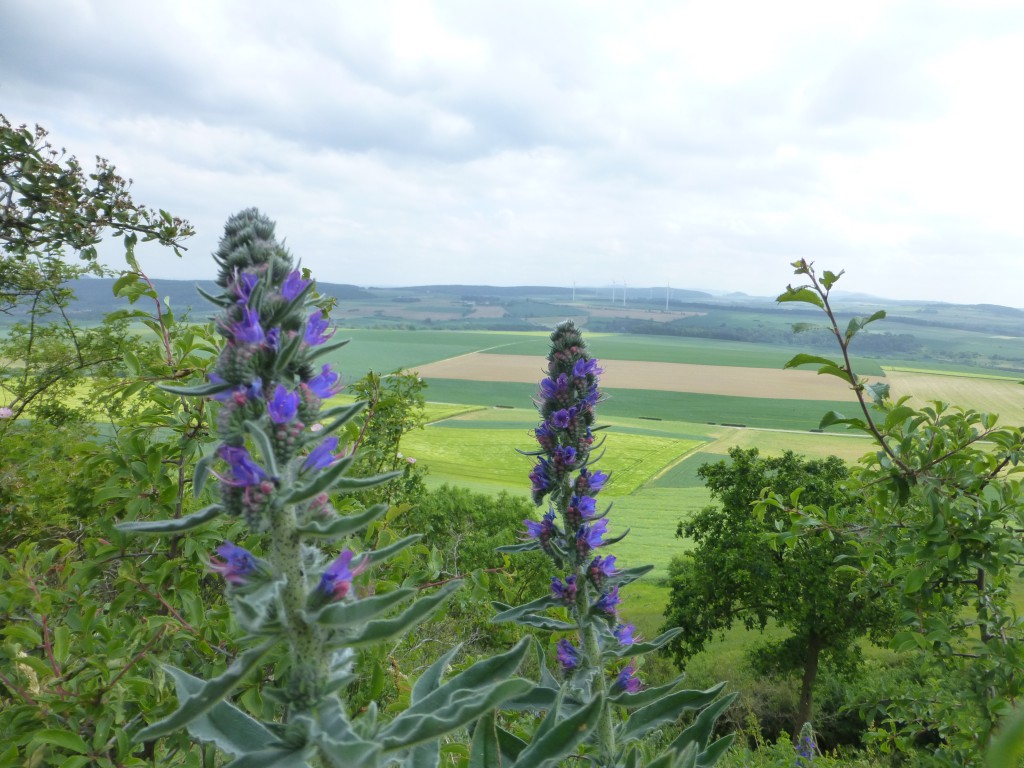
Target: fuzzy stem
pixel 592 648
pixel 306 640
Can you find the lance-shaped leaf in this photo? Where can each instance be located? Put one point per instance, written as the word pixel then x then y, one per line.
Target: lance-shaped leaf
pixel 834 417
pixel 201 473
pixel 221 300
pixel 262 439
pixel 700 729
pixel 509 613
pixel 666 710
pixel 559 741
pixel 804 359
pixel 154 527
pixel 332 478
pixel 485 751
pixel 254 607
pixel 324 349
pixel 639 649
pixel 461 700
pixel 206 697
pixel 360 611
pixel 225 725
pixel 343 525
pixel 275 757
pixel 340 416
pixel 629 575
pixel 527 546
pixel 197 390
pixel 286 353
pixel 385 629
pixel 645 696
pixel 380 555
pixel 713 753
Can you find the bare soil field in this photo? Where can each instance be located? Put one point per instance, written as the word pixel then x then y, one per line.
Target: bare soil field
pixel 667 377
pixel 1002 396
pixel 488 311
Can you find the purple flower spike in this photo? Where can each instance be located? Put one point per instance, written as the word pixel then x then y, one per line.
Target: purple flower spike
pixel 624 634
pixel 283 406
pixel 336 581
pixel 555 389
pixel 236 565
pixel 568 656
pixel 315 329
pixel 601 568
pixel 293 285
pixel 248 330
pixel 608 602
pixel 590 482
pixel 322 456
pixel 627 680
pixel 325 384
pixel 244 471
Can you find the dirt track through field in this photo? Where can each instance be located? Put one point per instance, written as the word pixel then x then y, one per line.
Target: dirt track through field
pixel 734 381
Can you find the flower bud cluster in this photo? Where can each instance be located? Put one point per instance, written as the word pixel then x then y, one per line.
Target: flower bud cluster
pixel 573 528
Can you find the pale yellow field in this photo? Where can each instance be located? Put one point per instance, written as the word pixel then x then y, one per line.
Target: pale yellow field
pixel 672 377
pixel 1002 396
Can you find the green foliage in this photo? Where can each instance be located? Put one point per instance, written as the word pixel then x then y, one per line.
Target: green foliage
pixel 733 574
pixel 942 534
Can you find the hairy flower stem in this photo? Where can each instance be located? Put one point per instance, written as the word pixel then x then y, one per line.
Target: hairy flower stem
pixel 306 640
pixel 592 647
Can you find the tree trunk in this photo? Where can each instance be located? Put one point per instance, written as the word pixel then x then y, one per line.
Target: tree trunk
pixel 803 714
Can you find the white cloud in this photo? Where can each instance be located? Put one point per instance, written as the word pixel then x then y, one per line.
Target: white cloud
pixel 703 143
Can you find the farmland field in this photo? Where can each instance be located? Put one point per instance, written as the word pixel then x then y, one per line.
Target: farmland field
pixel 982 393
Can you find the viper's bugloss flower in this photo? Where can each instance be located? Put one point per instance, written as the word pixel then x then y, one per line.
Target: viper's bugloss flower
pixel 624 634
pixel 555 389
pixel 564 457
pixel 627 680
pixel 325 384
pixel 588 536
pixel 590 482
pixel 243 286
pixel 568 655
pixel 248 330
pixel 545 436
pixel 543 530
pixel 581 508
pixel 283 406
pixel 244 471
pixel 336 581
pixel 237 563
pixel 608 601
pixel 293 285
pixel 564 590
pixel 540 482
pixel 315 328
pixel 584 368
pixel 601 568
pixel 564 417
pixel 322 456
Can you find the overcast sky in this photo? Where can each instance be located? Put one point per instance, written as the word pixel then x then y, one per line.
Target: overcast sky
pixel 701 144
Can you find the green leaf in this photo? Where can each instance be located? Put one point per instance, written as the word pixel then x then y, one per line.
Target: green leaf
pixel 508 613
pixel 666 710
pixel 262 439
pixel 834 417
pixel 360 611
pixel 154 527
pixel 713 753
pixel 324 349
pixel 1007 747
pixel 203 700
pixel 486 750
pixel 700 730
pixel 275 757
pixel 380 555
pixel 385 629
pixel 562 739
pixel 343 525
pixel 63 739
pixel 197 390
pixel 802 294
pixel 914 581
pixel 803 359
pixel 639 649
pixel 233 731
pixel 828 279
pixel 202 472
